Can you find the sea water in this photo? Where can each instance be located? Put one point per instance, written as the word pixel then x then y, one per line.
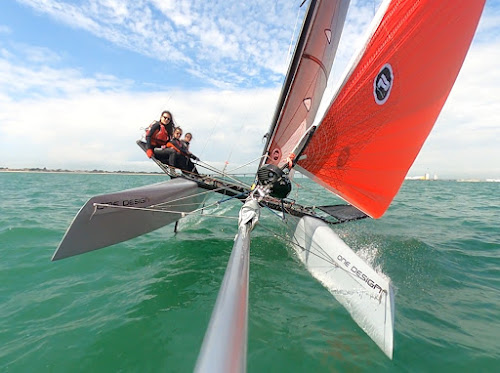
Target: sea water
pixel 144 305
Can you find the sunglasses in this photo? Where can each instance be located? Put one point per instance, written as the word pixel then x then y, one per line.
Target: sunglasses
pixel 166 118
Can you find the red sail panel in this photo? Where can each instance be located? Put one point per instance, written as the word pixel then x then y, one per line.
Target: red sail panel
pixel 304 94
pixel 389 102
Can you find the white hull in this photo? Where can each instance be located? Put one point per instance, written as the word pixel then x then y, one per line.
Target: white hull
pixel 366 295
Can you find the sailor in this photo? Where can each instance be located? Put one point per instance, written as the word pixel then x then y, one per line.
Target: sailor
pixel 182 156
pixel 187 139
pixel 158 136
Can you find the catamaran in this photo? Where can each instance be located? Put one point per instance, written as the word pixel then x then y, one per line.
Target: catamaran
pixel 371 132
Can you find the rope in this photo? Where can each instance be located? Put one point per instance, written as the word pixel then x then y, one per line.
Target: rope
pixel 272 211
pixel 316 250
pixel 213 169
pixel 183 214
pixel 188 196
pixel 230 198
pixel 246 164
pixel 217 203
pixel 326 258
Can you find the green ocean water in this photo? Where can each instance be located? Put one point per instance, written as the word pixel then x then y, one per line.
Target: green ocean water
pixel 144 305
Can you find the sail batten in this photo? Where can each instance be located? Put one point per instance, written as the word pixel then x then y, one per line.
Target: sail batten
pixel 390 99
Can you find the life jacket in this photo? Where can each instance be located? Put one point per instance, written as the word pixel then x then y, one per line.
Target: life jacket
pixel 160 137
pixel 176 145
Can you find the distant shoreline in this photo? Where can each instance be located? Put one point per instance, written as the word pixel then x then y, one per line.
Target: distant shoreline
pixel 102 172
pixel 60 171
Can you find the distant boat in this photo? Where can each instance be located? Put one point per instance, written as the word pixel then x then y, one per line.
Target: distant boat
pixel 374 127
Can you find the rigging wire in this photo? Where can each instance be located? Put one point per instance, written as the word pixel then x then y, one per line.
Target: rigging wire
pixel 246 164
pixel 315 250
pixel 183 214
pixel 157 207
pixel 188 196
pixel 209 137
pixel 231 150
pixel 324 256
pixel 217 171
pixel 320 253
pixel 290 45
pixel 288 240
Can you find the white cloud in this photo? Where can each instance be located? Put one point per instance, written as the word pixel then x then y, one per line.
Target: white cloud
pixel 198 35
pixel 19 80
pixel 68 119
pixel 63 119
pixel 99 130
pixel 5 29
pixel 464 141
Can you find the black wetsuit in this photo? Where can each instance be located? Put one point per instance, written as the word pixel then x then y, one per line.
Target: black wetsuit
pixel 190 165
pixel 182 158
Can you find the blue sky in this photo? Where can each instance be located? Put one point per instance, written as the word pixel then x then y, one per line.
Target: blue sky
pixel 79 79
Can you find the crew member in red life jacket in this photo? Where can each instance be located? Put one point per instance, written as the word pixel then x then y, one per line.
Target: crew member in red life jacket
pixel 159 135
pixel 182 154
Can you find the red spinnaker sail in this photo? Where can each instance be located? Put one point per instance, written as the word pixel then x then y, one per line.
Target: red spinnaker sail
pixel 307 77
pixel 390 100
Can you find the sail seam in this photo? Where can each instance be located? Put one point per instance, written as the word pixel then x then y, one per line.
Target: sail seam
pixel 318 61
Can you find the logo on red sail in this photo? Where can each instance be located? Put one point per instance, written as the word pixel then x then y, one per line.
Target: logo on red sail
pixel 382 84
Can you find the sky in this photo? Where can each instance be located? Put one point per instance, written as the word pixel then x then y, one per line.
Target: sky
pixel 80 80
